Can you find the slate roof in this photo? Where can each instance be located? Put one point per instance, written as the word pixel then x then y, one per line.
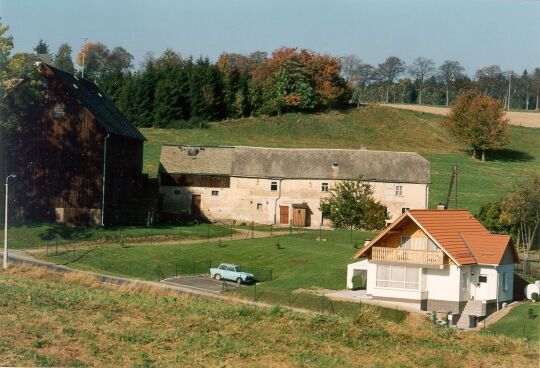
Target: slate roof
pixel 461 236
pixel 400 167
pixel 90 96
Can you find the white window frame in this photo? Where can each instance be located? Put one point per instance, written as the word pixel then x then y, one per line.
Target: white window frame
pixel 391 282
pixel 398 190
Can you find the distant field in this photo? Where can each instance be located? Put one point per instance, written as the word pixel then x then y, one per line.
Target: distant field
pixel 376 128
pixel 65 320
pixel 524 118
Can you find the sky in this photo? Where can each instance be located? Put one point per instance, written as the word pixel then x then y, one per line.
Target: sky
pixel 475 32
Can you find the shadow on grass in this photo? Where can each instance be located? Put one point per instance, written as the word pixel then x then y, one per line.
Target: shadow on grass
pixel 508 155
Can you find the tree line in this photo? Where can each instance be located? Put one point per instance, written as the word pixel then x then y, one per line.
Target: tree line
pixel 174 91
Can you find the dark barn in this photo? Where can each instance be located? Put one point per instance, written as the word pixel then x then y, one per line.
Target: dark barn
pixel 77 159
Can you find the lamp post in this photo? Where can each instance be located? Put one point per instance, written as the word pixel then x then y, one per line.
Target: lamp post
pixel 5 264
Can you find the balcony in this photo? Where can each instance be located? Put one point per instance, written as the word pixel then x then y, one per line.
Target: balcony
pixel 408 256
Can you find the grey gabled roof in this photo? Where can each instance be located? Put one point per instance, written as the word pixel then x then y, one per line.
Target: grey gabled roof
pixel 404 167
pixel 91 97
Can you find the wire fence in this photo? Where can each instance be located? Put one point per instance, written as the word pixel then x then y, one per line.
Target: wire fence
pixel 318 302
pixel 529 268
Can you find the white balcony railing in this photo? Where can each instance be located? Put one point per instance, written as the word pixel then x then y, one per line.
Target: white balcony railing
pixel 400 255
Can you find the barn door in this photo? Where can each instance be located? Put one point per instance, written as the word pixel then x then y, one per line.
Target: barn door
pixel 195 205
pixel 299 217
pixel 284 215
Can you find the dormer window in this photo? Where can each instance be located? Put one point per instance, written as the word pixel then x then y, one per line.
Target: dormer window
pixel 59 110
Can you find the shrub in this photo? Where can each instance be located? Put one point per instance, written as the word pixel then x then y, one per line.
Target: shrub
pixel 534 297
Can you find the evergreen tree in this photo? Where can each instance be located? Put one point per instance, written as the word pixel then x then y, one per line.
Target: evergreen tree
pixel 205 91
pixel 42 48
pixel 63 59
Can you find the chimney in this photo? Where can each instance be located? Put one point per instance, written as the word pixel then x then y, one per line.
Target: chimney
pixel 441 206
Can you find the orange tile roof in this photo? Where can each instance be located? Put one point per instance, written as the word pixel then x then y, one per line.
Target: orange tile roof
pixel 459 233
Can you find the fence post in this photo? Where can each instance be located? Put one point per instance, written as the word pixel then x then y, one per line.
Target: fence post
pixel 320 232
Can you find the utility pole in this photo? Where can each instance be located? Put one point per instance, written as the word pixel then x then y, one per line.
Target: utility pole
pixel 85 39
pixel 5 264
pixel 509 85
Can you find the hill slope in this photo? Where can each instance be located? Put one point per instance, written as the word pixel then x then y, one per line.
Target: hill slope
pixel 378 128
pixel 53 320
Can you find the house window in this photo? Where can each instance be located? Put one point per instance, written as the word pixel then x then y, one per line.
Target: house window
pixel 215 193
pixel 482 278
pixel 465 281
pixel 259 206
pixel 398 277
pixel 273 186
pixel 59 110
pixel 504 282
pixel 406 242
pixel 399 190
pixel 177 192
pixel 324 187
pixel 432 246
pixel 404 209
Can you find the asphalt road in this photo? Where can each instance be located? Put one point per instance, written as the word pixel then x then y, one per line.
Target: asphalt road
pixel 201 282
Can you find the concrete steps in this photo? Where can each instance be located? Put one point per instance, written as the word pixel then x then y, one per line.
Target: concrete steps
pixel 473 307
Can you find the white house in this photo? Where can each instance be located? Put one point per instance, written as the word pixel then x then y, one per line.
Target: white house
pixel 282 186
pixel 442 260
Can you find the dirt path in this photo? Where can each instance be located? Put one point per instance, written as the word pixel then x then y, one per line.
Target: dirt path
pixel 527 119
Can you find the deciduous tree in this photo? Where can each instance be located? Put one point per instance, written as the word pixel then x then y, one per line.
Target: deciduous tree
pixel 351 205
pixel 449 71
pixel 421 69
pixel 389 71
pixel 479 121
pixel 521 209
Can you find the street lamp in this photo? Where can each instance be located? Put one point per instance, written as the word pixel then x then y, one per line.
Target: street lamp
pixel 6 223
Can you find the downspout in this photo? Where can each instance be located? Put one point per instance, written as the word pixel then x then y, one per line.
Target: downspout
pixel 275 203
pixel 104 180
pixel 498 286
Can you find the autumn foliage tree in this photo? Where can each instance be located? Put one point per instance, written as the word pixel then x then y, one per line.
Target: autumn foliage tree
pixel 351 205
pixel 479 121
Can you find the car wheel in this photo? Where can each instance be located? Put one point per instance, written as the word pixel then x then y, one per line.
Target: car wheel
pixel 217 276
pixel 239 281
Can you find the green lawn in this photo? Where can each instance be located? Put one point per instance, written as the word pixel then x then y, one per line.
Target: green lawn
pixel 517 324
pixel 301 261
pixel 378 129
pixel 35 235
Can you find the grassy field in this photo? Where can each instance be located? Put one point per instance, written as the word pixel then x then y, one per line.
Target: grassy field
pixel 63 320
pixel 36 235
pixel 378 129
pixel 517 324
pixel 300 261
